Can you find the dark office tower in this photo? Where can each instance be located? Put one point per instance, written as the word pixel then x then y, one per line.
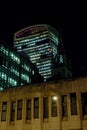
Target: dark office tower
pixel 40 43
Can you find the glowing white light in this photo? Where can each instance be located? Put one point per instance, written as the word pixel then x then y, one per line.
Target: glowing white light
pixel 55 97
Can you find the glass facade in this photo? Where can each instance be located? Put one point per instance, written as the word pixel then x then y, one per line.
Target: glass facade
pixel 40 43
pixel 14 70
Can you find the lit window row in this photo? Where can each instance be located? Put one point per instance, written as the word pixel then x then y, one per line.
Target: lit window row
pixel 35 58
pixel 15 71
pixel 44 62
pixel 5 51
pixel 36 55
pixel 45 45
pixel 25 77
pixel 47 73
pixel 14 58
pixel 46 68
pixel 26 67
pixel 9 53
pixel 12 81
pixel 44 71
pixel 54 38
pixel 44 65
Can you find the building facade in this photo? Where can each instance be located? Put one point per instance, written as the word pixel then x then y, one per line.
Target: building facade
pixel 60 105
pixel 14 69
pixel 40 43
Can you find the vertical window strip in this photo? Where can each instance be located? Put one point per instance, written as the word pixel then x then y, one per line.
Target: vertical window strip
pixel 84 103
pixel 36 107
pixel 45 107
pixel 4 109
pixel 19 110
pixel 73 103
pixel 64 105
pixel 12 111
pixel 53 106
pixel 28 110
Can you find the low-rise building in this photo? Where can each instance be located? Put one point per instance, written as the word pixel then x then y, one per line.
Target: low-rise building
pixel 57 105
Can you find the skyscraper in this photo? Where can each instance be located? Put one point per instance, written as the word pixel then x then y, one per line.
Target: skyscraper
pixel 40 43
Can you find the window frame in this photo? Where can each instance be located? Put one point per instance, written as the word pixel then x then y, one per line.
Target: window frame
pixel 13 109
pixel 36 107
pixel 73 103
pixel 4 111
pixel 45 107
pixel 28 109
pixel 19 110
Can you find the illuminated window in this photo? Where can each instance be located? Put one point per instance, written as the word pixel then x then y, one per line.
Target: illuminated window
pixel 12 111
pixel 1 88
pixel 5 51
pixel 14 57
pixel 4 109
pixel 25 77
pixel 33 72
pixel 28 109
pixel 54 106
pixel 12 81
pixel 36 107
pixel 19 110
pixel 4 76
pixel 15 70
pixel 61 59
pixel 45 107
pixel 26 67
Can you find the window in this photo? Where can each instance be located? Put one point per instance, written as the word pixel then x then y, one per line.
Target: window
pixel 84 103
pixel 19 110
pixel 4 109
pixel 24 46
pixel 45 107
pixel 73 104
pixel 64 105
pixel 28 110
pixel 54 106
pixel 61 59
pixel 36 107
pixel 12 111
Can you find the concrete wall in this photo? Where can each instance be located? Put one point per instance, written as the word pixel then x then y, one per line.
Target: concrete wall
pixel 59 88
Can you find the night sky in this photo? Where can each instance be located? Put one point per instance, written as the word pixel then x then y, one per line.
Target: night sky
pixel 68 18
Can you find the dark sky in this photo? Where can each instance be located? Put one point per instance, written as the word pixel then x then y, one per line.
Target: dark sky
pixel 68 17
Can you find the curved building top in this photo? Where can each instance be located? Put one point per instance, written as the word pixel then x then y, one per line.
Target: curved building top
pixel 31 30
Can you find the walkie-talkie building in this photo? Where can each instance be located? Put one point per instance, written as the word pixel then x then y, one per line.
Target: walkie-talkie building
pixel 40 43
